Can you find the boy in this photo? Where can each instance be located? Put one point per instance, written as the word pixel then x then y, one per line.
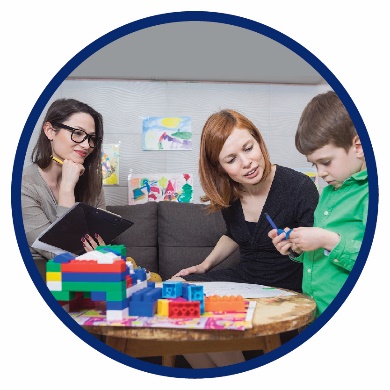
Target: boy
pixel 327 137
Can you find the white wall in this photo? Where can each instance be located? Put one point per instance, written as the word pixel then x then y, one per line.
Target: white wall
pixel 274 108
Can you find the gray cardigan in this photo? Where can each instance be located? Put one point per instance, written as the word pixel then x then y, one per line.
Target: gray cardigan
pixel 40 210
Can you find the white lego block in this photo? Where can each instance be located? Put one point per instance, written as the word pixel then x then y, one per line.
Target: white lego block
pixel 117 315
pixel 100 257
pixel 54 286
pixel 136 287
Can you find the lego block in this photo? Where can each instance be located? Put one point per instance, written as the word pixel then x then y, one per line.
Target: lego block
pixel 100 257
pixel 99 296
pixel 51 266
pixel 192 292
pixel 117 315
pixel 225 303
pixel 172 289
pixel 142 309
pixel 138 296
pixel 63 295
pixel 162 307
pixel 190 309
pixel 53 276
pixel 115 295
pixel 140 274
pixel 63 258
pixel 54 286
pixel 93 276
pixel 93 286
pixel 133 288
pixel 90 266
pixel 119 250
pixel 117 305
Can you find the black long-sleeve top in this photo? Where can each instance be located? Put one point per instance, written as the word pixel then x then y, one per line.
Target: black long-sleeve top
pixel 291 202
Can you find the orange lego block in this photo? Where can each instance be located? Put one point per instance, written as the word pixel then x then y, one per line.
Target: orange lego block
pixel 92 266
pixel 225 303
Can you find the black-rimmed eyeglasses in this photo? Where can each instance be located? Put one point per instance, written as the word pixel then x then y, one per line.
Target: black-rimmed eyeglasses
pixel 78 136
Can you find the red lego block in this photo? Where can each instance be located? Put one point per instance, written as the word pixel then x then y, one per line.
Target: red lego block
pixel 91 266
pixel 177 309
pixel 225 303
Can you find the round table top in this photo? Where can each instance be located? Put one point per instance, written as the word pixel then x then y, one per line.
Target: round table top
pixel 272 316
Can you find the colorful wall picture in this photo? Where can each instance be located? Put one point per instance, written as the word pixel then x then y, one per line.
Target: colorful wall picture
pixel 167 133
pixel 161 187
pixel 110 164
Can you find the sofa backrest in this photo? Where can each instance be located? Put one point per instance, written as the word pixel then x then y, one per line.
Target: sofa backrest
pixel 140 240
pixel 169 236
pixel 187 234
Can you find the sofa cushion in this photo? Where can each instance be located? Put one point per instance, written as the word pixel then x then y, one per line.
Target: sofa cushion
pixel 186 235
pixel 141 239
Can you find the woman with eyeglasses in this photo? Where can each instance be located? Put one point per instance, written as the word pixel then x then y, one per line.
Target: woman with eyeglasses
pixel 65 169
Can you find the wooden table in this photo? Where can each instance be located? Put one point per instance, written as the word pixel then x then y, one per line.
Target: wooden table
pixel 272 317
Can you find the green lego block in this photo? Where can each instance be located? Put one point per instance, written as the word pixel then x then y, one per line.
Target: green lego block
pixel 116 295
pixel 121 249
pixel 63 295
pixel 51 266
pixel 94 286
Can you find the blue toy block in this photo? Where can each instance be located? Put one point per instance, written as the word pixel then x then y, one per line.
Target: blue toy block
pixel 117 305
pixel 153 295
pixel 192 292
pixel 98 296
pixel 138 296
pixel 63 258
pixel 142 309
pixel 140 274
pixel 151 284
pixel 172 289
pixel 143 303
pixel 93 276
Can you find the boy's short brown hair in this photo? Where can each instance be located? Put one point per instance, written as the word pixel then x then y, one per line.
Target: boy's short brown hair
pixel 324 121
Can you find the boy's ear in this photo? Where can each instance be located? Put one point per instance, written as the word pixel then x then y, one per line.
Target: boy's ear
pixel 356 143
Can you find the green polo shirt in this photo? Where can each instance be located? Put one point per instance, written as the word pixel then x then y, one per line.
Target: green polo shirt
pixel 343 211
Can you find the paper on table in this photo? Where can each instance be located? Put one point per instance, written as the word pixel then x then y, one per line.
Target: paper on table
pixel 246 290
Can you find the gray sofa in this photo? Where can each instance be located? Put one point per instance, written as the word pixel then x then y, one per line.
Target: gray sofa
pixel 169 236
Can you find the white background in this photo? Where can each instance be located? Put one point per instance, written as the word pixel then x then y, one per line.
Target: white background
pixel 38 38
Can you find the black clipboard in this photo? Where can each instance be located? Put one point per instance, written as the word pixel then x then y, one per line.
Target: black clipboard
pixel 65 234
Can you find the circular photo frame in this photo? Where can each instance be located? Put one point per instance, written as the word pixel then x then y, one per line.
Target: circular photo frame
pixel 142 25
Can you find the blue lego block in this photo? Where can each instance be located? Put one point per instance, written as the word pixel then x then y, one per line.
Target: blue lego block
pixel 192 292
pixel 143 303
pixel 153 295
pixel 63 258
pixel 93 276
pixel 142 309
pixel 98 296
pixel 140 274
pixel 172 289
pixel 117 305
pixel 139 295
pixel 151 284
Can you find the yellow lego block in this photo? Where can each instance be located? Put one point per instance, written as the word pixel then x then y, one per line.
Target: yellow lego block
pixel 53 277
pixel 162 307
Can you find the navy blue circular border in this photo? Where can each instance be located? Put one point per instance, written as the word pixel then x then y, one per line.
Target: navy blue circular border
pixel 186 17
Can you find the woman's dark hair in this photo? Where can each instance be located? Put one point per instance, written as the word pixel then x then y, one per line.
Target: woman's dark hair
pixel 218 187
pixel 89 186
